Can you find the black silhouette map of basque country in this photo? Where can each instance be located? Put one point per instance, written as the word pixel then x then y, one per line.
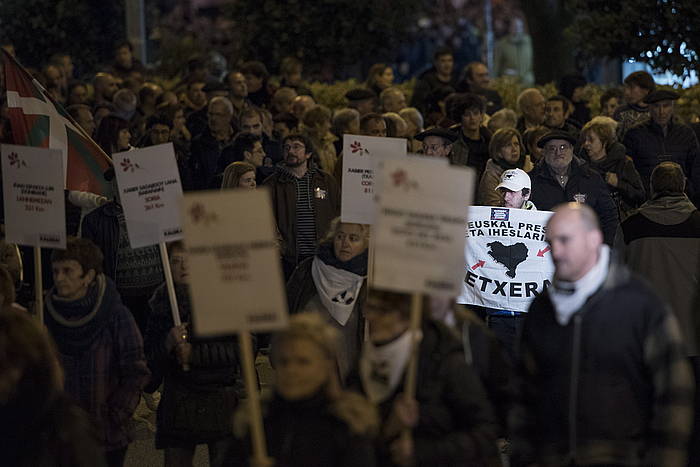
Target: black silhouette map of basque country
pixel 509 256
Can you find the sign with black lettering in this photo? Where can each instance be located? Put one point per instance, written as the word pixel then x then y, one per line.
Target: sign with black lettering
pixel 508 261
pixel 32 183
pixel 235 276
pixel 150 193
pixel 420 226
pixel 360 157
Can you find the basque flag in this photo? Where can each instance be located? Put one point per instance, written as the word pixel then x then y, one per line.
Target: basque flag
pixel 37 120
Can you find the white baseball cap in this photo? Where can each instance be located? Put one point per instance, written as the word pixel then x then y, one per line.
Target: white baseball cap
pixel 514 180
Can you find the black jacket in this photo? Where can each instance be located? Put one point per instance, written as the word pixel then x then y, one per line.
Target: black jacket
pixel 306 433
pixel 630 192
pixel 584 185
pixel 425 85
pixel 204 159
pixel 648 146
pixel 611 387
pixel 457 426
pixel 196 405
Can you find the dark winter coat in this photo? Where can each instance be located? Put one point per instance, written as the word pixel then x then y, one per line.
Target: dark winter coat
pixel 611 387
pixel 308 433
pixel 648 146
pixel 584 185
pixel 630 192
pixel 324 195
pixel 425 85
pixel 205 153
pixel 456 426
pixel 196 405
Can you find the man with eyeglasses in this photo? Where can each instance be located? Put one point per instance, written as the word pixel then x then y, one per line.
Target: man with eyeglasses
pixel 208 146
pixel 562 178
pixel 304 201
pixel 438 142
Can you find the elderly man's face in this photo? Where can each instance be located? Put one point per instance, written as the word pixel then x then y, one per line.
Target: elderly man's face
pixel 219 117
pixel 436 146
pixel 534 110
pixel 661 112
pixel 558 153
pixel 574 248
pixel 479 78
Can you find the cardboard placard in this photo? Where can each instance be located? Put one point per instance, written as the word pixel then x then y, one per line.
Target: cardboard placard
pixel 508 261
pixel 420 226
pixel 32 180
pixel 236 279
pixel 150 193
pixel 360 156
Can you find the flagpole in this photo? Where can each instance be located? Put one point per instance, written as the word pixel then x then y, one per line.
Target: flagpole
pixel 38 286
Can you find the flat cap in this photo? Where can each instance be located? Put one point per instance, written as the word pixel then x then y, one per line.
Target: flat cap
pixel 359 94
pixel 556 134
pixel 661 95
pixel 444 133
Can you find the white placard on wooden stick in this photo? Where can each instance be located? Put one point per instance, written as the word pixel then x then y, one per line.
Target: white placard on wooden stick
pixel 32 181
pixel 420 227
pixel 360 156
pixel 150 193
pixel 235 275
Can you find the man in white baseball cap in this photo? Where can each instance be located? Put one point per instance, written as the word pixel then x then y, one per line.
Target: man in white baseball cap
pixel 515 188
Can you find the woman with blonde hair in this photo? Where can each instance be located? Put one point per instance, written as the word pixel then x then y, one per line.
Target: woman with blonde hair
pixel 239 175
pixel 332 283
pixel 507 152
pixel 607 157
pixel 310 421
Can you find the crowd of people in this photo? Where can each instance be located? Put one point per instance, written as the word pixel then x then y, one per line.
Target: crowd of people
pixel 600 371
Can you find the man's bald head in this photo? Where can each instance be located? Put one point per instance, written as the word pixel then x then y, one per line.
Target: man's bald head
pixel 574 235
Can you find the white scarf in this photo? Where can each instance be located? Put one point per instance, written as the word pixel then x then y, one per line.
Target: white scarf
pixel 337 289
pixel 381 367
pixel 569 297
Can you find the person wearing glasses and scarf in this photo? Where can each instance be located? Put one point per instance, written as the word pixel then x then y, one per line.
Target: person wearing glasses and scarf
pixel 333 283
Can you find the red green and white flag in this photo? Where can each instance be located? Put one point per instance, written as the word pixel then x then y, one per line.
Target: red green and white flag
pixel 37 120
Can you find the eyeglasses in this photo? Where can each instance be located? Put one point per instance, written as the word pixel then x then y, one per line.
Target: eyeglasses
pixel 432 147
pixel 295 147
pixel 553 149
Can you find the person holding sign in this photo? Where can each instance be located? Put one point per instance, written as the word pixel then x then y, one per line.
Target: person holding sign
pixel 451 419
pixel 100 346
pixel 305 200
pixel 333 283
pixel 310 421
pixel 515 187
pixel 196 405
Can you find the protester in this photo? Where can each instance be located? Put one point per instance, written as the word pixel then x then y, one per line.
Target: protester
pixel 438 142
pixel 239 174
pixel 530 139
pixel 201 377
pixel 515 188
pixel 661 138
pixel 563 178
pixel 637 86
pixel 256 76
pixel 414 122
pixel 450 419
pixel 316 127
pixel 609 102
pixel 379 78
pixel 333 283
pixel 39 424
pixel 556 113
pixel 310 421
pixel 392 100
pixel 531 105
pixel 345 121
pixel 504 118
pixel 472 145
pixel 207 147
pixel 99 344
pixel 601 362
pixel 607 157
pixel 362 100
pixel 476 80
pixel 442 74
pixel 506 150
pixel 113 135
pixel 304 201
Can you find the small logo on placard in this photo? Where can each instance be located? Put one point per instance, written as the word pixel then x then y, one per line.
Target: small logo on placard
pixel 356 147
pixel 199 215
pixel 15 160
pixel 400 178
pixel 320 193
pixel 499 214
pixel 128 166
pixel 580 198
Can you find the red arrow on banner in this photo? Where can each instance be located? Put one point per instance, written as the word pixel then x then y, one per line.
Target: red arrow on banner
pixel 542 252
pixel 479 264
